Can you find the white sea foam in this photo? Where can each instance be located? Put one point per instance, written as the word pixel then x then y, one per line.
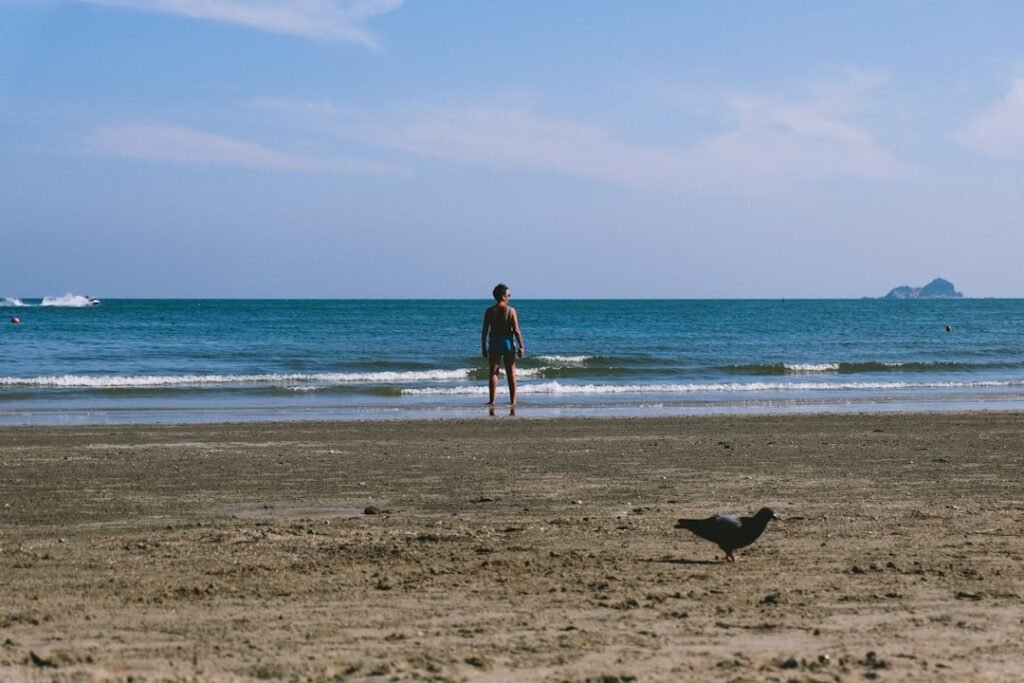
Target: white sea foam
pixel 146 381
pixel 724 387
pixel 12 302
pixel 68 301
pixel 565 360
pixel 801 368
pixel 443 383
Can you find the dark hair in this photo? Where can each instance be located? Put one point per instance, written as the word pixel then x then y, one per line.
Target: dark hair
pixel 499 291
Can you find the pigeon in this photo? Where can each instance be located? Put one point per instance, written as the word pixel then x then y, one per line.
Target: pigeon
pixel 730 532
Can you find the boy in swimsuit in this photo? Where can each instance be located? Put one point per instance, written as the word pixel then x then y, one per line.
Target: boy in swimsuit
pixel 498 341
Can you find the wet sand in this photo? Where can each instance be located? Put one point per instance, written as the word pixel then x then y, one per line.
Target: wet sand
pixel 514 550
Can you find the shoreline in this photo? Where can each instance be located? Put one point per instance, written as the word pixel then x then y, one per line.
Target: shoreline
pixel 514 549
pixel 128 417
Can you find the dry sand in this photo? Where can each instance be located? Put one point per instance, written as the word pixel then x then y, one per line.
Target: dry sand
pixel 514 550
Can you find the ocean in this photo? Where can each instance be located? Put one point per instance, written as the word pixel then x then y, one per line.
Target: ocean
pixel 149 361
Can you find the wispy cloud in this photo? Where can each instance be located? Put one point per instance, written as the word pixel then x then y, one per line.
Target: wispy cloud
pixel 999 130
pixel 772 140
pixel 762 146
pixel 342 20
pixel 182 145
pixel 498 137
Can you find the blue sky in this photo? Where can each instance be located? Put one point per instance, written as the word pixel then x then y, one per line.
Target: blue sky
pixel 577 148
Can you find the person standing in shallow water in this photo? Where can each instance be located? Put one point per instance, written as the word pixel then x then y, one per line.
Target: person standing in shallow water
pixel 498 341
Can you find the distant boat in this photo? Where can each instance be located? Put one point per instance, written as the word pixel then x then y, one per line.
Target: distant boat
pixel 93 301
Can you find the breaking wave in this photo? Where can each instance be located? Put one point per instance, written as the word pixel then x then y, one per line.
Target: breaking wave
pixel 728 387
pixel 566 360
pixel 802 368
pixel 145 381
pixel 859 367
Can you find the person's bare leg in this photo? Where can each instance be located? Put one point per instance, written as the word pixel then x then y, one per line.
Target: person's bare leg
pixel 492 384
pixel 510 375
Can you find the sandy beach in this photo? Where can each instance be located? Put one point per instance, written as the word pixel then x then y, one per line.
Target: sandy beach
pixel 514 550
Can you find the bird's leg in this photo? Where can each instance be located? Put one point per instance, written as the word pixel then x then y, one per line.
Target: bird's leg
pixel 729 557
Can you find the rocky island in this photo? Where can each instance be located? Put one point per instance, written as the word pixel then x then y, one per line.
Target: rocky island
pixel 936 289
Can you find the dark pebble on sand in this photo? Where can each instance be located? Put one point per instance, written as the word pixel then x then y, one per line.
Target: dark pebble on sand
pixel 478 662
pixel 872 661
pixel 40 661
pixel 963 595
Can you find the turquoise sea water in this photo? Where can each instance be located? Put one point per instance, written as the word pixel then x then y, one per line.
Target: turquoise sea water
pixel 209 360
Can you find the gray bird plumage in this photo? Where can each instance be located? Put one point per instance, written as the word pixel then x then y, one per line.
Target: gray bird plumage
pixel 730 532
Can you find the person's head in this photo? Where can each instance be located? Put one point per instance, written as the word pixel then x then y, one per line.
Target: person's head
pixel 500 291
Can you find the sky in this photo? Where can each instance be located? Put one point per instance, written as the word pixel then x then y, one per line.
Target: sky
pixel 570 148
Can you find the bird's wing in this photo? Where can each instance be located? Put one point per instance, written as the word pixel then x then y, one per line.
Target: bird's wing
pixel 720 529
pixel 729 530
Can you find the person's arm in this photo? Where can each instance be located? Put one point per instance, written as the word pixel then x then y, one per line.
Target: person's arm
pixel 518 333
pixel 483 332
